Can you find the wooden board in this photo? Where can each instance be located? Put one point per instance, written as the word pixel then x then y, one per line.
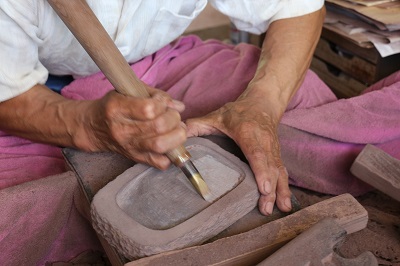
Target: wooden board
pixel 254 246
pixel 379 169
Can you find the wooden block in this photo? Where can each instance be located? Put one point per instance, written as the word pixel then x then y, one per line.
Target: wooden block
pixel 379 169
pixel 316 246
pixel 145 211
pixel 254 246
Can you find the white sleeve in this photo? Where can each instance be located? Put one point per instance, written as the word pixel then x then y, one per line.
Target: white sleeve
pixel 20 68
pixel 255 16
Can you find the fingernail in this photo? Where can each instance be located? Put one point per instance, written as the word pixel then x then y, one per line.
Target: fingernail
pixel 269 207
pixel 159 97
pixel 178 104
pixel 267 187
pixel 288 203
pixel 183 125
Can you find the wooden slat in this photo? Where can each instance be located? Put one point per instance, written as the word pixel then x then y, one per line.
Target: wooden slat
pixel 379 169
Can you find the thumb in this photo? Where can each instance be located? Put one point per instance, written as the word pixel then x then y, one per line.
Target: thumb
pixel 201 126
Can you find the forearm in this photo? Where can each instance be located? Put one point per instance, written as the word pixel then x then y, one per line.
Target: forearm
pixel 286 55
pixel 42 115
pixel 142 129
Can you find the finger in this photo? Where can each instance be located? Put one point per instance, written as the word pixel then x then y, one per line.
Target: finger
pixel 266 204
pixel 131 134
pixel 259 151
pixel 162 124
pixel 171 103
pixel 161 143
pixel 283 192
pixel 156 160
pixel 177 105
pixel 266 175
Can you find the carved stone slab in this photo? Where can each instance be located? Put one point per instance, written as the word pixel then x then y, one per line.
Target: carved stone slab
pixel 145 211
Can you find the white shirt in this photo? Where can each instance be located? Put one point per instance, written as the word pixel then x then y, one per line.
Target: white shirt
pixel 35 42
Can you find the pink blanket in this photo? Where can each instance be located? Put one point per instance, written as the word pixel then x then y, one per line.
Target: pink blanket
pixel 39 222
pixel 320 143
pixel 320 137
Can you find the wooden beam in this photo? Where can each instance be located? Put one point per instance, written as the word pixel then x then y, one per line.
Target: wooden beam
pixel 377 168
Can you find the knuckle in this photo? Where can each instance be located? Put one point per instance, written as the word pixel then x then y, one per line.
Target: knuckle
pixel 110 108
pixel 148 109
pixel 166 123
pixel 182 134
pixel 157 145
pixel 159 125
pixel 271 196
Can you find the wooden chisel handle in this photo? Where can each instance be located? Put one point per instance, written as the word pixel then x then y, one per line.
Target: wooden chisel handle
pixel 87 29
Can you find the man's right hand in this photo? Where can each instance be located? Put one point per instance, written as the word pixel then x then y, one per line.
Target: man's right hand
pixel 142 129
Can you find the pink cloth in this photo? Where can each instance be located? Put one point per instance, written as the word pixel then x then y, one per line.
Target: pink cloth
pixel 320 135
pixel 39 222
pixel 22 160
pixel 320 143
pixel 204 75
pixel 320 138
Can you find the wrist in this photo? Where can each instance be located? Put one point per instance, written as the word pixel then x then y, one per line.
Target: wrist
pixel 80 126
pixel 271 97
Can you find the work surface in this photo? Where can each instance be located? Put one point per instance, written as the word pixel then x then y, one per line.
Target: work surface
pixel 381 237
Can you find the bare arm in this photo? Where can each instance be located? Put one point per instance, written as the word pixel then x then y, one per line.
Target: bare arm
pixel 286 55
pixel 141 129
pixel 252 120
pixel 42 115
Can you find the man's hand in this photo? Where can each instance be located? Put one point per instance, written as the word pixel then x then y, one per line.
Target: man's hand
pixel 250 124
pixel 142 129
